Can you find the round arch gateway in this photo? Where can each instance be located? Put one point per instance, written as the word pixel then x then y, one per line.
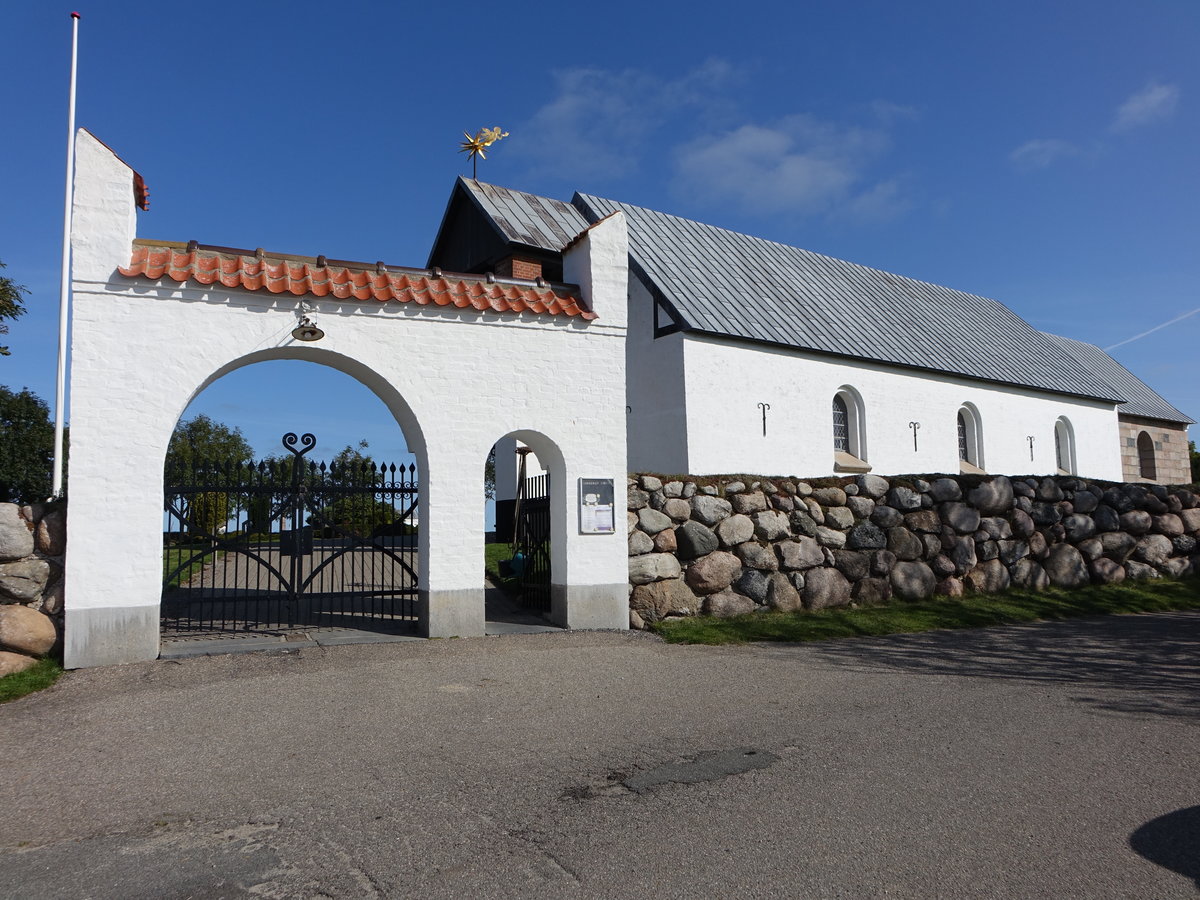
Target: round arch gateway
pixel 148 339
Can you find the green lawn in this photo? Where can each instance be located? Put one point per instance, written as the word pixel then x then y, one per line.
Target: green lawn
pixel 177 555
pixel 492 555
pixel 44 674
pixel 977 611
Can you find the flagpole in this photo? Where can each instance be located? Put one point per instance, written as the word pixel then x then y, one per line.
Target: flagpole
pixel 65 285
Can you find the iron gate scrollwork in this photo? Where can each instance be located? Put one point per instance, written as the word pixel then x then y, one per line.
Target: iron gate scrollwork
pixel 289 542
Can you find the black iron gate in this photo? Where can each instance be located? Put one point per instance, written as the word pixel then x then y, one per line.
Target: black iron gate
pixel 288 542
pixel 531 540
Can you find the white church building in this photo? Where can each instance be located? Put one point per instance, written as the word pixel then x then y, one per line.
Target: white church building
pixel 746 355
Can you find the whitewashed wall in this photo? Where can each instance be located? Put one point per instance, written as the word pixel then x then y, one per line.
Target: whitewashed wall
pixel 658 435
pixel 456 381
pixel 726 380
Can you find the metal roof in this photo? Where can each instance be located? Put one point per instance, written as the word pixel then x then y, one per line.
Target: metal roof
pixel 735 285
pixel 527 218
pixel 1140 398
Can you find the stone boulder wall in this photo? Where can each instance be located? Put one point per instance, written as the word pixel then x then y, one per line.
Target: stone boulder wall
pixel 726 546
pixel 33 541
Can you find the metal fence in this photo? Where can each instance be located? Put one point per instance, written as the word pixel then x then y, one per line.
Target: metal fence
pixel 287 542
pixel 532 541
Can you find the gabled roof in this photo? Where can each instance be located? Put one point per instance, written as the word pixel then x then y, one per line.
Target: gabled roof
pixel 298 275
pixel 521 218
pixel 1140 398
pixel 727 284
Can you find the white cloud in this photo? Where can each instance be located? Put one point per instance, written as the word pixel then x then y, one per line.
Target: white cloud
pixel 602 124
pixel 1151 104
pixel 888 112
pixel 598 120
pixel 1041 152
pixel 879 203
pixel 800 165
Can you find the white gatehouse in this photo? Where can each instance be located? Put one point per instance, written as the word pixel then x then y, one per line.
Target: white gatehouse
pixel 460 362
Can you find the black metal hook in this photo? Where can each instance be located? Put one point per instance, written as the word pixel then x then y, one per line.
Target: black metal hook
pixel 764 407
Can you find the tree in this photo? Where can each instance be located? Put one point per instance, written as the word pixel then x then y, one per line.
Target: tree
pixel 489 475
pixel 26 447
pixel 201 440
pixel 1194 454
pixel 356 512
pixel 10 304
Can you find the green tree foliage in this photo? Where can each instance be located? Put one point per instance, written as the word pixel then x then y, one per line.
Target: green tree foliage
pixel 202 440
pixel 489 475
pixel 1195 457
pixel 358 513
pixel 209 512
pixel 10 304
pixel 26 447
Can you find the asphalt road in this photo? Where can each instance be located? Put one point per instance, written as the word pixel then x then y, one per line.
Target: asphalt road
pixel 1054 760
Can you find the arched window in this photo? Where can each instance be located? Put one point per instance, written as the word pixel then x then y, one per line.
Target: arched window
pixel 1064 447
pixel 841 424
pixel 1146 465
pixel 849 432
pixel 970 440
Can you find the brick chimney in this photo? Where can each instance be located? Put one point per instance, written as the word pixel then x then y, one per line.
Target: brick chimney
pixel 519 267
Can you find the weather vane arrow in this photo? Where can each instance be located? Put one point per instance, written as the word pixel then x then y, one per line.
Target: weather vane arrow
pixel 475 146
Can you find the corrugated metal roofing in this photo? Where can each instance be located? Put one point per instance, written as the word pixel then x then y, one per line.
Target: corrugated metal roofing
pixel 527 218
pixel 735 285
pixel 1140 398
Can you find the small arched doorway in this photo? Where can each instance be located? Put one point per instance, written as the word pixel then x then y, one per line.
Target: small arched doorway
pixel 519 559
pixel 1147 466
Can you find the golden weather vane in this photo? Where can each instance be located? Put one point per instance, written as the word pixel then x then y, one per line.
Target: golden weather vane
pixel 474 146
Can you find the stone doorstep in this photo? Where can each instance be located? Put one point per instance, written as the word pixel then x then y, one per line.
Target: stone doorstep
pixel 182 648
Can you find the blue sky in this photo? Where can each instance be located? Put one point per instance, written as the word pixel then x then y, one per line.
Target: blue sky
pixel 1040 153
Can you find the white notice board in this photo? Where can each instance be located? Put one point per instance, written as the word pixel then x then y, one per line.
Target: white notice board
pixel 597 515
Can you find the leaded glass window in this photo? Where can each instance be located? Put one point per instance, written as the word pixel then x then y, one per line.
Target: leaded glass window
pixel 841 425
pixel 963 453
pixel 1058 448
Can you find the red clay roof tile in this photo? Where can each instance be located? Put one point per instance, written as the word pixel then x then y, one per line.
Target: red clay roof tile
pixel 254 271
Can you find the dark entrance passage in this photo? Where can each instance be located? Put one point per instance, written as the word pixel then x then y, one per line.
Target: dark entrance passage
pixel 287 543
pixel 531 540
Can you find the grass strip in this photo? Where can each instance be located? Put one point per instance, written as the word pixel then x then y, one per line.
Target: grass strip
pixel 492 555
pixel 974 611
pixel 35 678
pixel 177 555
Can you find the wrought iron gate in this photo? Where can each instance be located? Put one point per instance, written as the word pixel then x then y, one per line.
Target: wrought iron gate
pixel 289 542
pixel 531 539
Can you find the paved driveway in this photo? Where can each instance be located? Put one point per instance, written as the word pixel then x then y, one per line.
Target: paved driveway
pixel 1040 761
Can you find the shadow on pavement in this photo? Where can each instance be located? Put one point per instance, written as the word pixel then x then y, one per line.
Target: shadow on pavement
pixel 1141 664
pixel 1172 841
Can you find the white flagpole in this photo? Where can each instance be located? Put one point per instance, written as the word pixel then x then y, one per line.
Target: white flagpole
pixel 65 286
